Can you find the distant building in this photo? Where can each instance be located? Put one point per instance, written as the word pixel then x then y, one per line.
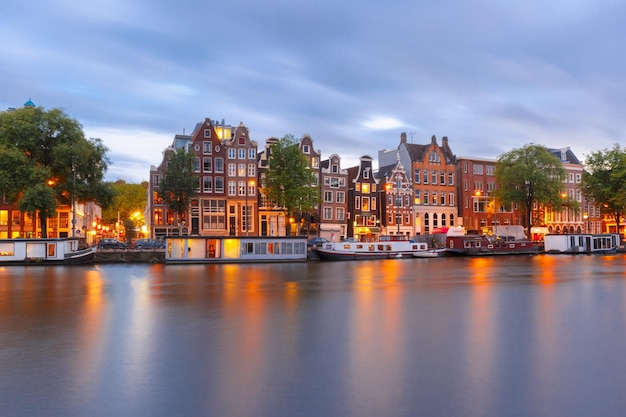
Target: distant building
pixel 363 201
pixel 479 208
pixel 433 174
pixel 334 206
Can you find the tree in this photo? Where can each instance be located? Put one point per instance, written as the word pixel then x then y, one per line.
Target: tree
pixel 290 181
pixel 530 175
pixel 128 199
pixel 51 149
pixel 604 180
pixel 180 183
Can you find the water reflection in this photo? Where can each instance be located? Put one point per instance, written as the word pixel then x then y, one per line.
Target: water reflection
pixel 518 336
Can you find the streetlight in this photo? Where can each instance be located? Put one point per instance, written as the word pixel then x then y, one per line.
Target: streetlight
pixel 398 198
pixel 247 218
pixel 74 202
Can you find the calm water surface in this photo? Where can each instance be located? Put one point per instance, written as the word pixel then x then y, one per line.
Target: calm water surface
pixel 512 336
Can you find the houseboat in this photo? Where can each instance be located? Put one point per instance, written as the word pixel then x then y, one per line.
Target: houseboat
pixel 582 243
pixel 234 249
pixel 477 245
pixel 386 247
pixel 61 251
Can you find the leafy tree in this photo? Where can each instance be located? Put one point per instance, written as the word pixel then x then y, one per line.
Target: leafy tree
pixel 50 148
pixel 530 175
pixel 289 178
pixel 604 180
pixel 179 184
pixel 128 199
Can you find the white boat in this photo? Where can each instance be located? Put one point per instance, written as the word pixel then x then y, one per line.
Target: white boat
pixel 61 251
pixel 430 253
pixel 582 243
pixel 234 249
pixel 387 247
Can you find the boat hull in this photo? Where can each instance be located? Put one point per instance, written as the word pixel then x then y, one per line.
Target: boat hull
pixel 480 245
pixel 44 252
pixel 355 251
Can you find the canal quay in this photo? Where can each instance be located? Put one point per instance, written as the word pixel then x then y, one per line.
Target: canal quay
pixel 531 336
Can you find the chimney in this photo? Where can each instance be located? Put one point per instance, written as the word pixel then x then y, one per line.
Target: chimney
pixel 403 137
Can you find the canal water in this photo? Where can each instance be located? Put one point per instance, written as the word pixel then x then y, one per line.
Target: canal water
pixel 507 336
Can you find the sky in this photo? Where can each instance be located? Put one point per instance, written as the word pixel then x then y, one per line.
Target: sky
pixel 491 75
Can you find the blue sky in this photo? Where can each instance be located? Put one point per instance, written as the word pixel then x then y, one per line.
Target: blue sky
pixel 490 75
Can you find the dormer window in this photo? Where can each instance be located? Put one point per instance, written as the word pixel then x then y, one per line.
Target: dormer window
pixel 306 149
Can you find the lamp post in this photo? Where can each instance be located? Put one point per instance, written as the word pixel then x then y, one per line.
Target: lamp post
pixel 398 198
pixel 247 218
pixel 74 202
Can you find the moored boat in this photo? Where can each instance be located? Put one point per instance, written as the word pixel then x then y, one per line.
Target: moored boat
pixel 387 247
pixel 582 243
pixel 59 251
pixel 483 245
pixel 234 249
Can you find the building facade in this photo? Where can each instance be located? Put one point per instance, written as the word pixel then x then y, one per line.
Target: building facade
pixel 334 205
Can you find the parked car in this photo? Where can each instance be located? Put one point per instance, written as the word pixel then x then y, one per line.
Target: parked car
pixel 110 243
pixel 149 244
pixel 316 241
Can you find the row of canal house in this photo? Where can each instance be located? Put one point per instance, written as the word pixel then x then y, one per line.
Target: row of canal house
pixel 416 189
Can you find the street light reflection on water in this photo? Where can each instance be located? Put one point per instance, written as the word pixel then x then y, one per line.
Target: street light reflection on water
pixel 514 336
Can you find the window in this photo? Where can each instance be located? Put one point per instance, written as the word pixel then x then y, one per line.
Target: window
pixel 156 179
pixel 252 153
pixel 334 182
pixel 242 140
pixel 213 214
pixel 365 188
pixel 425 176
pixel 207 133
pixel 207 164
pixel 366 174
pixel 341 214
pixel 328 196
pixel 341 197
pixel 442 177
pixel 451 199
pixel 207 184
pixel 241 187
pixel 435 222
pixel 252 170
pixel 334 169
pixel 357 202
pixel 434 198
pixel 442 198
pixel 306 149
pixel 328 213
pixel 232 170
pixel 207 147
pixel 578 178
pixel 417 197
pixel 426 198
pixel 434 177
pixel 450 178
pixel 196 164
pixel 373 203
pixel 241 170
pixel 416 175
pixel 219 184
pixel 231 153
pixel 365 204
pixel 232 188
pixel 219 164
pixel 443 220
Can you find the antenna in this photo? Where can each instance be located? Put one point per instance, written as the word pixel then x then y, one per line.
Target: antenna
pixel 411 133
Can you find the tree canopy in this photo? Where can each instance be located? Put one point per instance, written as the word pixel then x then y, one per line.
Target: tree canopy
pixel 530 175
pixel 604 180
pixel 128 199
pixel 47 148
pixel 179 184
pixel 290 182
